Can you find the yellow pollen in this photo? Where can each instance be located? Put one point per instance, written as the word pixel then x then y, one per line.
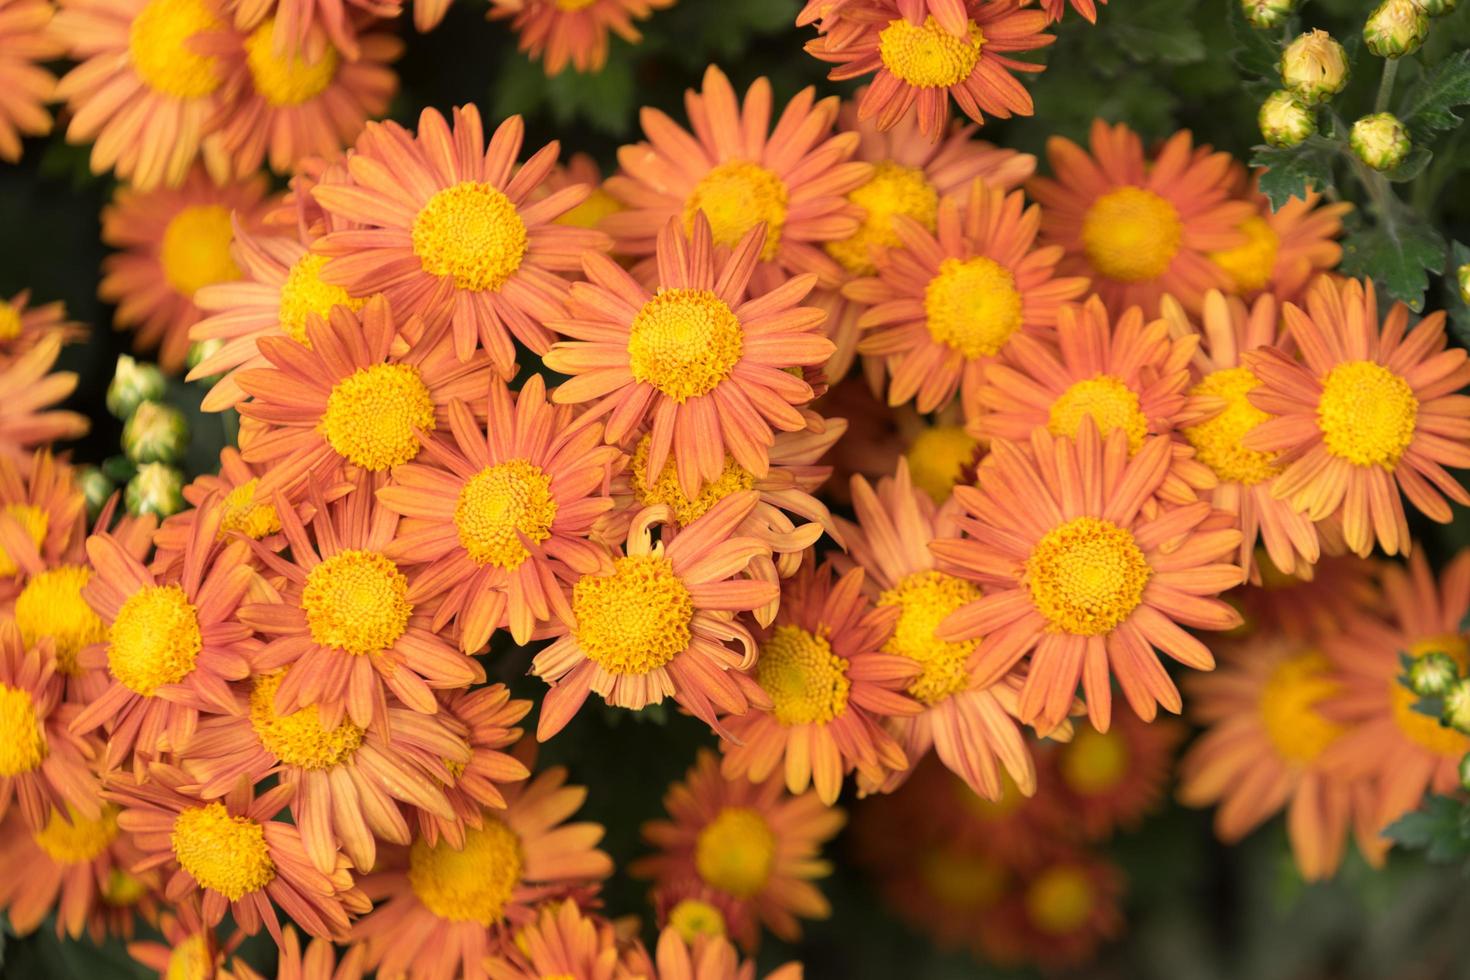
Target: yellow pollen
pixel 589 214
pixel 938 457
pixel 928 56
pixel 473 233
pixel 289 80
pixel 666 490
pixel 1060 901
pixel 305 293
pixel 500 500
pixel 298 739
pixel 22 739
pixel 1424 730
pixel 1288 707
pixel 1367 414
pixel 807 682
pixel 692 918
pixel 244 514
pixel 1086 576
pixel 962 881
pixel 191 960
pixel 356 601
pixel 635 619
pixel 684 342
pixel 1250 265
pixel 374 415
pixel 735 852
pixel 158 42
pixel 1094 762
pixel 72 839
pixel 122 889
pixel 1110 403
pixel 972 306
pixel 10 325
pixel 1131 234
pixel 924 600
pixel 893 190
pixel 223 853
pixel 474 884
pixel 154 640
pixel 736 196
pixel 34 521
pixel 196 248
pixel 1216 441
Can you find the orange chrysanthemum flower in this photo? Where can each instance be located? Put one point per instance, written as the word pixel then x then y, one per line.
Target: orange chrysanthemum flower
pixel 26 41
pixel 489 716
pixel 1309 603
pixel 451 230
pixel 1080 578
pixel 22 325
pixel 702 958
pixel 309 28
pixel 28 387
pixel 319 962
pixel 42 520
pixel 1113 779
pixel 1140 226
pixel 188 946
pixel 1056 913
pixel 1370 411
pixel 752 841
pixel 172 242
pixel 573 32
pixel 945 305
pixel 1284 249
pixel 500 516
pixel 563 941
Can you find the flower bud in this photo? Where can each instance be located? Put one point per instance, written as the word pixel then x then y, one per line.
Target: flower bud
pixel 133 382
pixel 1431 675
pixel 156 488
pixel 1284 121
pixel 1380 140
pixel 95 487
pixel 201 350
pixel 1396 28
pixel 1463 275
pixel 1436 8
pixel 1457 706
pixel 1315 67
pixel 1267 13
pixel 155 433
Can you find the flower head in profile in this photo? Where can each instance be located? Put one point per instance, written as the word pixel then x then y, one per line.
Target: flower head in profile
pixel 29 389
pixel 1284 248
pixel 560 33
pixel 26 42
pixel 24 324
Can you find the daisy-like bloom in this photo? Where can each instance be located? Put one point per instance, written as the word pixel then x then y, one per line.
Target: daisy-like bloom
pixel 343 622
pixel 1113 779
pixel 1219 415
pixel 310 28
pixel 236 853
pixel 918 65
pixel 360 391
pixel 573 31
pixel 657 619
pixel 1087 8
pixel 705 958
pixel 439 916
pixel 42 517
pixel 741 173
pixel 28 387
pixel 489 717
pixel 171 242
pixel 1078 577
pixel 1284 249
pixel 1057 912
pixel 531 477
pixel 450 229
pixel 145 93
pixel 1303 607
pixel 693 908
pixel 189 949
pixel 562 941
pixel 1369 412
pixel 944 305
pixel 25 43
pixel 318 962
pixel 23 325
pixel 831 687
pixel 172 643
pixel 1140 227
pixel 702 363
pixel 751 841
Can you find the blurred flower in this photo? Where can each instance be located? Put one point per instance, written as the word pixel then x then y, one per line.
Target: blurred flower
pixel 318 963
pixel 155 433
pixel 1111 780
pixel 26 42
pixel 705 958
pixel 309 28
pixel 189 948
pixel 23 325
pixel 573 31
pixel 28 387
pixel 1266 14
pixel 1087 8
pixel 156 489
pixel 1310 602
pixel 134 382
pixel 1057 913
pixel 1285 247
pixel 562 941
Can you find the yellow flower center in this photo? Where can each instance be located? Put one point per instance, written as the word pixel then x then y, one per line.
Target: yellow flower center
pixel 972 306
pixel 122 889
pixel 374 415
pixel 684 342
pixel 158 43
pixel 893 190
pixel 289 80
pixel 190 960
pixel 589 214
pixel 72 839
pixel 1216 441
pixel 10 325
pixel 807 682
pixel 1422 729
pixel 735 852
pixel 938 457
pixel 244 514
pixel 1086 576
pixel 924 600
pixel 196 248
pixel 298 739
pixel 304 292
pixel 962 881
pixel 224 853
pixel 635 619
pixel 1060 901
pixel 736 196
pixel 154 640
pixel 500 501
pixel 1249 266
pixel 1094 762
pixel 473 233
pixel 34 521
pixel 356 601
pixel 22 740
pixel 474 884
pixel 926 55
pixel 1289 703
pixel 692 918
pixel 1108 401
pixel 51 605
pixel 1367 414
pixel 666 490
pixel 1131 234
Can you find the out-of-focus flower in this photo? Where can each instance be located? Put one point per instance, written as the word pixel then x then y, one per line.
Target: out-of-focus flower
pixel 26 42
pixel 155 433
pixel 562 941
pixel 156 489
pixel 1285 247
pixel 1267 14
pixel 1111 780
pixel 133 383
pixel 573 32
pixel 28 387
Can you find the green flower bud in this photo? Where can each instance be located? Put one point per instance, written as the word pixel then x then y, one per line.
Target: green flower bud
pixel 1437 8
pixel 1431 675
pixel 95 487
pixel 133 382
pixel 1462 274
pixel 157 488
pixel 1396 28
pixel 1284 121
pixel 1315 67
pixel 1380 140
pixel 155 433
pixel 1267 13
pixel 1457 706
pixel 202 349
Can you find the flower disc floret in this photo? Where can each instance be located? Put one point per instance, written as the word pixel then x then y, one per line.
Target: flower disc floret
pixel 806 681
pixel 1110 404
pixel 473 233
pixel 298 739
pixel 1290 703
pixel 222 852
pixel 22 739
pixel 635 619
pixel 375 414
pixel 196 248
pixel 1367 414
pixel 73 839
pixel 684 342
pixel 51 604
pixel 499 503
pixel 972 306
pixel 356 601
pixel 159 46
pixel 305 293
pixel 1131 234
pixel 1217 441
pixel 734 478
pixel 894 189
pixel 926 55
pixel 925 599
pixel 474 883
pixel 1087 576
pixel 154 640
pixel 286 80
pixel 735 196
pixel 735 852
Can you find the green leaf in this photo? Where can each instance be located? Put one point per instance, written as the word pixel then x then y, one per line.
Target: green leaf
pixel 1156 30
pixel 1437 828
pixel 1290 172
pixel 1255 54
pixel 1430 105
pixel 1398 258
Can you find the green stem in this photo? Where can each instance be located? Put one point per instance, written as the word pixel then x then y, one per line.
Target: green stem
pixel 1385 85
